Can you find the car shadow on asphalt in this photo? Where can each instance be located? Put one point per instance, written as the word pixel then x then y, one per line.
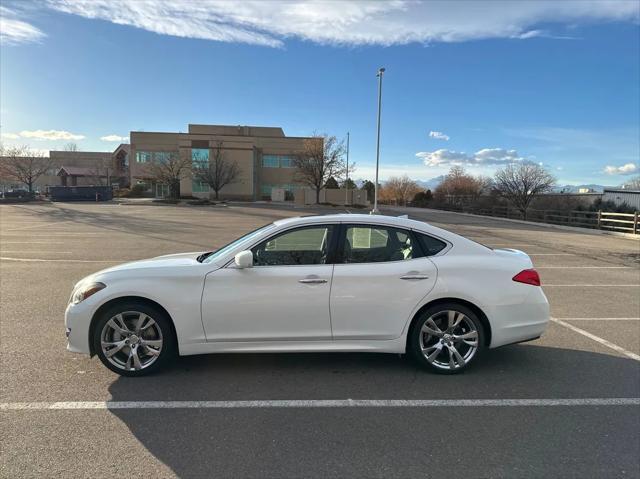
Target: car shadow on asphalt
pixel 208 442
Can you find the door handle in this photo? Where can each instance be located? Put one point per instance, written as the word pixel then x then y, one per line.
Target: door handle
pixel 312 281
pixel 414 276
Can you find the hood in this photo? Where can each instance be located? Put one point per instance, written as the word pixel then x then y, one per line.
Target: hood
pixel 166 261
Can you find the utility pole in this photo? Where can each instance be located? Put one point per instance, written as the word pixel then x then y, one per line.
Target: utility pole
pixel 346 183
pixel 375 195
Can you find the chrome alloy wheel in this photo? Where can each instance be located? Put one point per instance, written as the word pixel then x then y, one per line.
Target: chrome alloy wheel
pixel 131 340
pixel 449 339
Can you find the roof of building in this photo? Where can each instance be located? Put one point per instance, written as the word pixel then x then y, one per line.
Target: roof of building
pixel 77 171
pixel 621 190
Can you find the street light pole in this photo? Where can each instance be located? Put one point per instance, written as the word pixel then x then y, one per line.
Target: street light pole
pixel 346 183
pixel 375 195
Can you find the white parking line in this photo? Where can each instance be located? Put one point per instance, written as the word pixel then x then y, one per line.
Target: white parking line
pixel 583 267
pixel 551 254
pixel 598 339
pixel 34 251
pixel 316 403
pixel 594 285
pixel 600 319
pixel 40 260
pixel 32 242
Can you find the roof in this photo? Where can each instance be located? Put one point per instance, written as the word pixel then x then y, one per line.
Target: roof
pixel 621 190
pixel 78 171
pixel 353 218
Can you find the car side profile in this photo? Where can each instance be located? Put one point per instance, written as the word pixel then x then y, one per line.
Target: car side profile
pixel 340 283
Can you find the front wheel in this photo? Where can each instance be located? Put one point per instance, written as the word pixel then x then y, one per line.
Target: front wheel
pixel 446 338
pixel 134 339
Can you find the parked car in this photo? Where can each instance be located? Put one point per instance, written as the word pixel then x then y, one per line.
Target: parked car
pixel 313 284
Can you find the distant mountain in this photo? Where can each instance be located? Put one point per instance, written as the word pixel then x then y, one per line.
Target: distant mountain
pixel 431 184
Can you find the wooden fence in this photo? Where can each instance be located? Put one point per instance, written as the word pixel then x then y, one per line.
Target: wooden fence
pixel 622 222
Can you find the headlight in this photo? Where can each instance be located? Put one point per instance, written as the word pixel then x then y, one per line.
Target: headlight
pixel 86 290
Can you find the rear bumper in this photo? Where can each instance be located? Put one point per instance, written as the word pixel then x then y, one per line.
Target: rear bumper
pixel 516 323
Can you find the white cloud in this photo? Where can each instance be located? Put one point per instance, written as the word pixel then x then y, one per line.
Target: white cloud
pixel 438 135
pixel 626 169
pixel 114 138
pixel 484 157
pixel 14 31
pixel 10 136
pixel 50 135
pixel 348 22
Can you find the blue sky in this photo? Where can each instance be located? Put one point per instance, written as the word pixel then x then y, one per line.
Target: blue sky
pixel 495 81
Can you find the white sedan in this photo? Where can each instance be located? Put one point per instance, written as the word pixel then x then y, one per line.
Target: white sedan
pixel 313 284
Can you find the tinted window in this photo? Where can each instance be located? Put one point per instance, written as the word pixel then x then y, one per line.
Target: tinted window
pixel 430 245
pixel 375 244
pixel 296 247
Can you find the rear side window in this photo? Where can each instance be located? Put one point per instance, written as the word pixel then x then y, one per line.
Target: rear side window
pixel 430 245
pixel 377 244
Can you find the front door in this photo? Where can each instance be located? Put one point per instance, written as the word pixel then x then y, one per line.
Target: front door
pixel 381 277
pixel 284 296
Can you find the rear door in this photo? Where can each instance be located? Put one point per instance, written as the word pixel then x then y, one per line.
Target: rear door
pixel 381 274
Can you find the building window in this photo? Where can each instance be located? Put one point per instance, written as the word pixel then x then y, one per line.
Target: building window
pixel 199 187
pixel 277 161
pixel 143 156
pixel 162 156
pixel 286 162
pixel 270 161
pixel 200 157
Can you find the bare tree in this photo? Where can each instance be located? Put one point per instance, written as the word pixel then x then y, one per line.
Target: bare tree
pixel 521 182
pixel 23 165
pixel 460 187
pixel 322 157
pixel 70 147
pixel 218 171
pixel 633 183
pixel 168 168
pixel 399 189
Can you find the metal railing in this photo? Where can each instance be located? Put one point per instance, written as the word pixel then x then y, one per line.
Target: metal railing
pixel 622 222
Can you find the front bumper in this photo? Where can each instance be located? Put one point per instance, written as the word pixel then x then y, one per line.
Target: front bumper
pixel 77 319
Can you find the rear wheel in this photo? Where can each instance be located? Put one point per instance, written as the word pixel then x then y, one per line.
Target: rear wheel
pixel 446 338
pixel 134 339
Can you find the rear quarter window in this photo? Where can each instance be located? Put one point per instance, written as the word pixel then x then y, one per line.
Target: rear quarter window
pixel 430 245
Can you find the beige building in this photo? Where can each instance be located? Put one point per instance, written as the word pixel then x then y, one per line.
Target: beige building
pixel 263 154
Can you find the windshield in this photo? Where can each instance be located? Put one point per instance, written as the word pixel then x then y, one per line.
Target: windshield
pixel 208 258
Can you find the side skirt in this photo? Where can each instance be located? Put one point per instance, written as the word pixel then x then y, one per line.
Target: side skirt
pixel 396 346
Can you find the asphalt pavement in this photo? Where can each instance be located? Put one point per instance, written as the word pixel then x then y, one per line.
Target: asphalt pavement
pixel 567 405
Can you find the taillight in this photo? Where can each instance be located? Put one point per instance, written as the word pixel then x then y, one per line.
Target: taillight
pixel 528 276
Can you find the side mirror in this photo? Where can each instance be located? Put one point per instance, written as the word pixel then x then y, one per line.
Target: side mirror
pixel 244 259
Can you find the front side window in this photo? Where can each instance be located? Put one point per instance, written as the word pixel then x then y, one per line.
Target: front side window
pixel 376 244
pixel 302 246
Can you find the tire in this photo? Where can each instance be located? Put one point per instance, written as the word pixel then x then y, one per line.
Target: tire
pixel 446 338
pixel 138 339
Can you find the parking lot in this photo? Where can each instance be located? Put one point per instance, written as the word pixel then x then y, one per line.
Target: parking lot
pixel 581 381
